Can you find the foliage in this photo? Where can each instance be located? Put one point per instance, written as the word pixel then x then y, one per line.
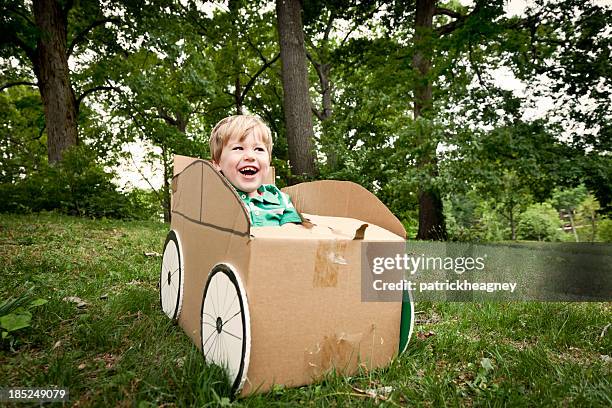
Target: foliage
pixel 166 73
pixel 604 230
pixel 15 314
pixel 77 186
pixel 22 142
pixel 469 218
pixel 587 211
pixel 539 222
pixel 569 199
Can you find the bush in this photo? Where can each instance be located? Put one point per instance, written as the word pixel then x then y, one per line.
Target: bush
pixel 75 186
pixel 539 222
pixel 604 230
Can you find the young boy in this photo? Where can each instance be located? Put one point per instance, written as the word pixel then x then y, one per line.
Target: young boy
pixel 241 149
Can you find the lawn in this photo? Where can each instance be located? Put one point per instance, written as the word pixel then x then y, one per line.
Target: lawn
pixel 102 335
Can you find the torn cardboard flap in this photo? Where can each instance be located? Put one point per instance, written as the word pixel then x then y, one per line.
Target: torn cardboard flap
pixel 333 352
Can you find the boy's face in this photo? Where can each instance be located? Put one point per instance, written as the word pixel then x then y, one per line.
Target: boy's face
pixel 245 163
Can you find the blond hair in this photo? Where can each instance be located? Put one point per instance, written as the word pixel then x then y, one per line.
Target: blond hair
pixel 241 125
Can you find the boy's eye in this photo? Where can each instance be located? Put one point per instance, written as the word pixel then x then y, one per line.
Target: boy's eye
pixel 237 148
pixel 260 149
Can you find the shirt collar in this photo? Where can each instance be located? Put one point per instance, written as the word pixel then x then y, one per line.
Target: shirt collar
pixel 266 194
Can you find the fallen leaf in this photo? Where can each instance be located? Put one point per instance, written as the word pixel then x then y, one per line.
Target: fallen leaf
pixel 379 393
pixel 57 344
pixel 486 364
pixel 155 254
pixel 180 361
pixel 605 329
pixel 104 296
pixel 82 366
pixel 80 303
pixel 423 335
pixel 108 359
pixel 606 358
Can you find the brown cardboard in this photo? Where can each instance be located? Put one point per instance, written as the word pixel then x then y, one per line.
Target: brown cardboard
pixel 303 285
pixel 343 199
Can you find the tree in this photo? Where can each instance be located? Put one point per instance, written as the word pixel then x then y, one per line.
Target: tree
pixel 539 222
pixel 296 98
pixel 43 37
pixel 567 201
pixel 431 215
pixel 588 210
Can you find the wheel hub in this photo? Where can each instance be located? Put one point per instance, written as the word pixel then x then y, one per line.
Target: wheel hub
pixel 219 325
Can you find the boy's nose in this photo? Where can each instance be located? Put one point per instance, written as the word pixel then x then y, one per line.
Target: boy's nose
pixel 248 155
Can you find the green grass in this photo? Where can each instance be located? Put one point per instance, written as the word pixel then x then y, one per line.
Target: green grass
pixel 121 350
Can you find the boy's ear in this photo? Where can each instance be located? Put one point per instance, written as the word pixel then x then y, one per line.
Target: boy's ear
pixel 216 165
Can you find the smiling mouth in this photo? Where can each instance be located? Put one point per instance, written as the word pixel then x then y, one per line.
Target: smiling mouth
pixel 248 171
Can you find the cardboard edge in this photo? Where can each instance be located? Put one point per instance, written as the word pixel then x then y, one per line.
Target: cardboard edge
pixel 188 162
pixel 181 163
pixel 307 197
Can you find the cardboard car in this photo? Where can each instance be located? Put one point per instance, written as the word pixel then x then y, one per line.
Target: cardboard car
pixel 277 305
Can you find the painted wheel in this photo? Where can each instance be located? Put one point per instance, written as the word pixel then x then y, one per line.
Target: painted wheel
pixel 406 321
pixel 172 277
pixel 225 322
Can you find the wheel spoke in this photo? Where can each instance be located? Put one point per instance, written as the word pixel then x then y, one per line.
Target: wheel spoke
pixel 230 307
pixel 227 282
pixel 212 304
pixel 235 314
pixel 231 334
pixel 213 343
pixel 211 325
pixel 207 339
pixel 211 316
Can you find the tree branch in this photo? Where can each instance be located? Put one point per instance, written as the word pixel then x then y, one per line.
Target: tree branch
pixel 475 66
pixel 29 51
pixel 318 114
pixel 92 90
pixel 81 36
pixel 447 12
pixel 22 15
pixel 358 23
pixel 11 84
pixel 459 18
pixel 330 25
pixel 251 82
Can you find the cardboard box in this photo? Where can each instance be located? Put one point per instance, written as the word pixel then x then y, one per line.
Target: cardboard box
pixel 296 288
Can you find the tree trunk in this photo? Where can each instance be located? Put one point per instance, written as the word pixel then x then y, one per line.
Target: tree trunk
pixel 573 226
pixel 51 69
pixel 238 96
pixel 296 100
pixel 431 215
pixel 234 12
pixel 166 204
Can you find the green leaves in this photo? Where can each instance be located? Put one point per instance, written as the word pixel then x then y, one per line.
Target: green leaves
pixel 15 314
pixel 19 319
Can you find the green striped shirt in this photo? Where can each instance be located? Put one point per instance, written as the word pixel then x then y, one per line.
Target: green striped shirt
pixel 270 207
